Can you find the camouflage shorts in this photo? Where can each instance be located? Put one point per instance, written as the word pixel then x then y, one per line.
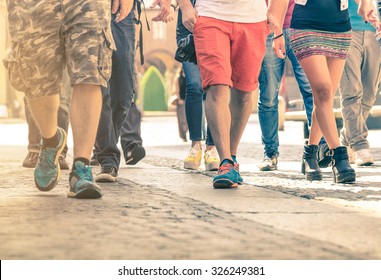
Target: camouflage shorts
pixel 47 35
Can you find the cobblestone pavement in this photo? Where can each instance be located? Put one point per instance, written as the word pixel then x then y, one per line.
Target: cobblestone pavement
pixel 157 210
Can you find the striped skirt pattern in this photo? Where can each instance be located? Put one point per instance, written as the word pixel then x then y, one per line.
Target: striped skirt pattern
pixel 307 42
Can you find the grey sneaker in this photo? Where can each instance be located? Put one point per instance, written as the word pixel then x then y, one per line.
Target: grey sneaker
pixel 47 171
pixel 82 183
pixel 108 174
pixel 363 157
pixel 268 164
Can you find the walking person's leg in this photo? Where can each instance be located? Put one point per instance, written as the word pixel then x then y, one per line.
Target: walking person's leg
pixel 269 82
pixel 117 98
pixel 34 139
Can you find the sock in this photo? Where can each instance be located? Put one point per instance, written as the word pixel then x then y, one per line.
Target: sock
pixel 85 161
pixel 234 157
pixel 226 160
pixel 51 142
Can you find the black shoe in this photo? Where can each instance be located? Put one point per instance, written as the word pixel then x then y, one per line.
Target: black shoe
pixel 310 166
pixel 94 161
pixel 108 174
pixel 342 170
pixel 134 153
pixel 30 160
pixel 324 156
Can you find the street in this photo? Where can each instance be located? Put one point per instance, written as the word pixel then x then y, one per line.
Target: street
pixel 158 210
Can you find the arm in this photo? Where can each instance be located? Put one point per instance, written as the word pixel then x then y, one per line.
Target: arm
pixel 171 15
pixel 275 17
pixel 369 11
pixel 189 14
pixel 366 9
pixel 122 8
pixel 165 9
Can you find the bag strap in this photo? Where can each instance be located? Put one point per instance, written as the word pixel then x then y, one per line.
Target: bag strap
pixel 139 4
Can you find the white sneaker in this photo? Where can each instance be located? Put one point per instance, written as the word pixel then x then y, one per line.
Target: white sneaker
pixel 268 164
pixel 363 157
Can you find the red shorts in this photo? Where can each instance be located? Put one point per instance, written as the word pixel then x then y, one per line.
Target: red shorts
pixel 230 53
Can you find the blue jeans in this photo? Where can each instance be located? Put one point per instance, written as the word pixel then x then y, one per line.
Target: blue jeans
pixel 194 104
pixel 118 96
pixel 195 95
pixel 269 82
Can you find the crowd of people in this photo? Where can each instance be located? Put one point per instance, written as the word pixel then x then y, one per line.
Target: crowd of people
pixel 238 47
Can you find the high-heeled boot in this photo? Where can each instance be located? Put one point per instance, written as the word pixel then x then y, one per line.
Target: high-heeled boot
pixel 342 170
pixel 310 166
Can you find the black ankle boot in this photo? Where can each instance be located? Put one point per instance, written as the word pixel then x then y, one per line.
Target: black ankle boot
pixel 342 170
pixel 310 165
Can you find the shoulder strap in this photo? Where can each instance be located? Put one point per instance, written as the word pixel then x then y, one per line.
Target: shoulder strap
pixel 139 4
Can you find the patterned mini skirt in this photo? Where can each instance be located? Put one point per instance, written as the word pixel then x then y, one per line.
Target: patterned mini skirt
pixel 307 42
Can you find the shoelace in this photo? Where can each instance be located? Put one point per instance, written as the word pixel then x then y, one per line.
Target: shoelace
pixel 41 159
pixel 225 168
pixel 84 172
pixel 33 155
pixel 211 155
pixel 193 152
pixel 107 169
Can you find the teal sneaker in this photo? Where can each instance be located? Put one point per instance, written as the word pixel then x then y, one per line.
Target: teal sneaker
pixel 82 182
pixel 227 176
pixel 236 166
pixel 47 171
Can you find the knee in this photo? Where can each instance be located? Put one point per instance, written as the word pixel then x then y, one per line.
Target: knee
pixel 323 94
pixel 194 88
pixel 265 102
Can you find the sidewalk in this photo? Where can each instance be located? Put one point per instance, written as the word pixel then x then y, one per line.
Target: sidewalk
pixel 157 210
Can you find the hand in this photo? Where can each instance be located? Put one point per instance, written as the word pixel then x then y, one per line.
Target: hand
pixel 123 7
pixel 189 18
pixel 165 10
pixel 279 47
pixel 367 10
pixel 169 18
pixel 273 23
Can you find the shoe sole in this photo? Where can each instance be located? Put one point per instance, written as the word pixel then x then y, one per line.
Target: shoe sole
pixel 224 184
pixel 54 183
pixel 191 166
pixel 29 165
pixel 267 168
pixel 368 163
pixel 86 193
pixel 105 178
pixel 314 177
pixel 348 177
pixel 211 167
pixel 140 153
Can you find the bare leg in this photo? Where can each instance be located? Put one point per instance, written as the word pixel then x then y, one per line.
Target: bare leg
pixel 240 110
pixel 44 112
pixel 323 77
pixel 86 107
pixel 218 117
